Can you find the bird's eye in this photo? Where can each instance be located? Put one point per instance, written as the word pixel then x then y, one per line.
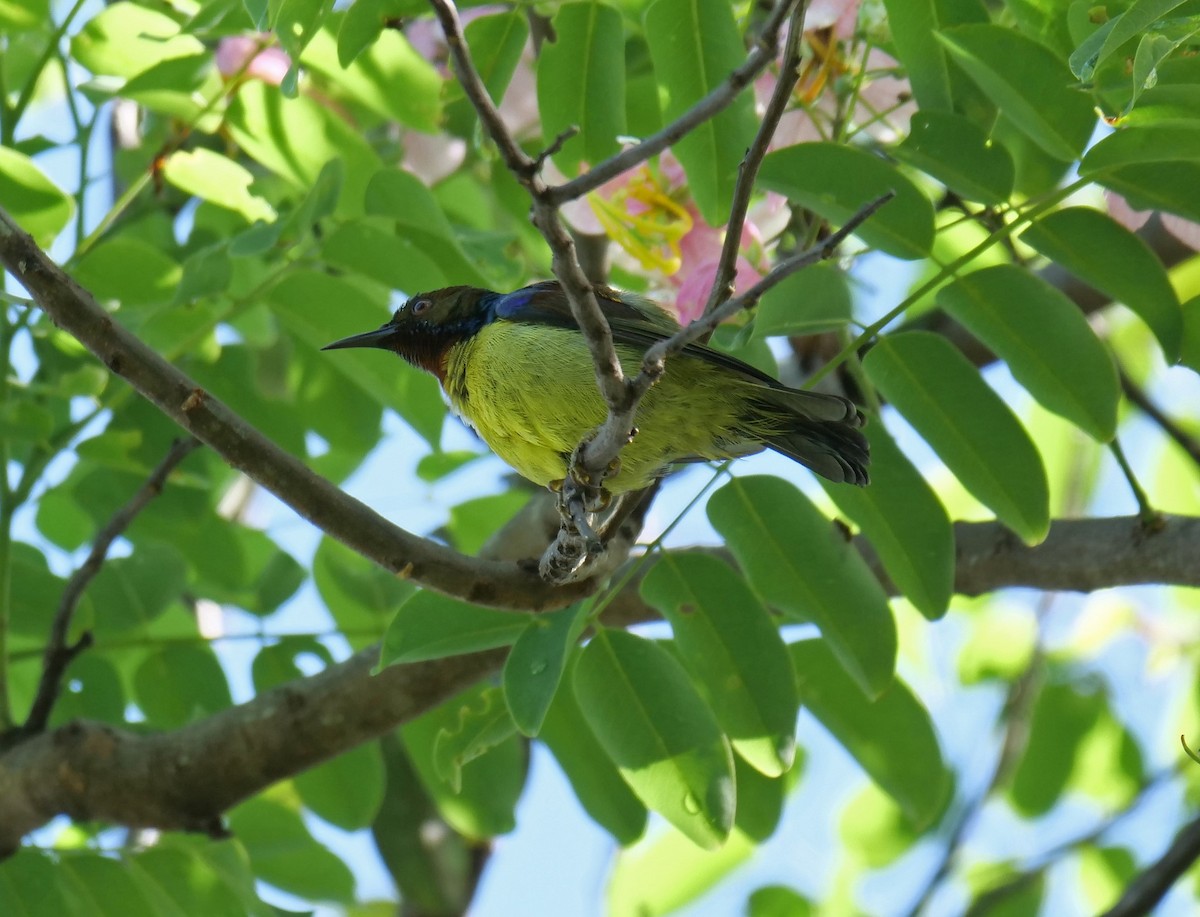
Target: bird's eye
pixel 421 306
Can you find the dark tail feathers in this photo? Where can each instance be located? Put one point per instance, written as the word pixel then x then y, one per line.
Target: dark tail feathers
pixel 820 432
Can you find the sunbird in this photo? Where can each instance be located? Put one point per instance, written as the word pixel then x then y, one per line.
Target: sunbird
pixel 516 367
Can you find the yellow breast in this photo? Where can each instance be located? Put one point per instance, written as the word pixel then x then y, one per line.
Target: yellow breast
pixel 530 392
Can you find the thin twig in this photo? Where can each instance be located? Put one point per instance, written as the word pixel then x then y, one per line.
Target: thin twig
pixel 1183 439
pixel 652 364
pixel 59 652
pixel 609 377
pixel 789 73
pixel 1149 515
pixel 712 104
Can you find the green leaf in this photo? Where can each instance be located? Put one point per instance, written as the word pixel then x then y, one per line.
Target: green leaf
pixel 798 561
pixel 648 717
pixel 219 179
pixel 295 138
pixel 479 727
pixel 1076 742
pixel 484 804
pixel 959 154
pixel 16 15
pixel 874 828
pixel 1000 645
pixel 177 684
pixel 1038 95
pixel 25 421
pixel 419 218
pixel 91 689
pixel 777 901
pixel 382 255
pixel 891 736
pixel 133 272
pixel 733 650
pixel 40 207
pixel 438 465
pixel 836 181
pixel 178 87
pixel 130 592
pixel 1062 717
pixel 473 522
pixel 976 434
pixel 346 790
pixel 594 777
pixel 275 664
pixel 695 46
pixel 361 26
pixel 361 596
pixel 373 78
pixel 319 309
pixel 1130 24
pixel 1152 50
pixel 905 522
pixel 126 38
pixel 581 83
pixel 1104 875
pixel 1103 253
pixel 1143 143
pixel 668 872
pixel 815 299
pixel 496 43
pixel 111 887
pixel 433 626
pixel 534 667
pixel 760 798
pixel 1171 186
pixel 1045 340
pixel 206 273
pixel 295 23
pixel 1190 351
pixel 284 853
pixel 29 884
pixel 913 25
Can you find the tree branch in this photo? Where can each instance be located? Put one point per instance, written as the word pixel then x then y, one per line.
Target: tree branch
pixel 789 73
pixel 185 779
pixel 500 585
pixel 1151 885
pixel 58 653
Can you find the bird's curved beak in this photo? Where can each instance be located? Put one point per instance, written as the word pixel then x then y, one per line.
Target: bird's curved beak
pixel 380 338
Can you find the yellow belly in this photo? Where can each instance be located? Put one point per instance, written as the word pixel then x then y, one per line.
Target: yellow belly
pixel 530 392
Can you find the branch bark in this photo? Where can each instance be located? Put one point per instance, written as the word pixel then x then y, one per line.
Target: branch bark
pixel 72 308
pixel 185 779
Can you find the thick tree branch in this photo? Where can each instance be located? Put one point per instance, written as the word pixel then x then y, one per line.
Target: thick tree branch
pixel 435 566
pixel 59 653
pixel 185 779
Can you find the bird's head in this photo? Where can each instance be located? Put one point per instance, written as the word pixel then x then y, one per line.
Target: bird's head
pixel 427 325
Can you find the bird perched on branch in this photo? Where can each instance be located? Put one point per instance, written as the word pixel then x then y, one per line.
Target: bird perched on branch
pixel 517 368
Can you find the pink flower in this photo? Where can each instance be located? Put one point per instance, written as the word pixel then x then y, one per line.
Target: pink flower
pixel 840 15
pixel 265 61
pixel 432 157
pixel 700 253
